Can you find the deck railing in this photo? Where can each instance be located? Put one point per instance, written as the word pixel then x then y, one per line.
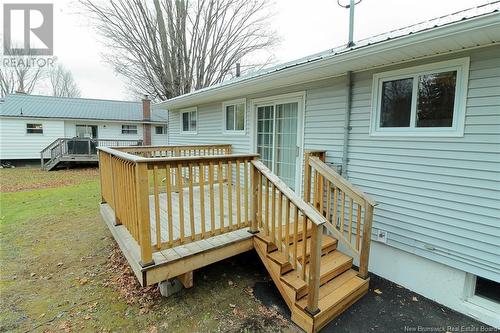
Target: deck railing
pixel 179 150
pixel 348 211
pixel 62 147
pixel 283 216
pixel 212 195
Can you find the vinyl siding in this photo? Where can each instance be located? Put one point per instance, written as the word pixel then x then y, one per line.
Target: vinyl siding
pixel 438 197
pixel 324 119
pixel 105 130
pixel 15 143
pixel 158 139
pixel 209 129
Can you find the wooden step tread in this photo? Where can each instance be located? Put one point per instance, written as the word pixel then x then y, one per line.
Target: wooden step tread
pixel 268 239
pixel 332 285
pixel 332 264
pixel 328 244
pixel 342 296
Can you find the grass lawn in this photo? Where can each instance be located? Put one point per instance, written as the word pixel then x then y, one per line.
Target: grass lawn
pixel 61 271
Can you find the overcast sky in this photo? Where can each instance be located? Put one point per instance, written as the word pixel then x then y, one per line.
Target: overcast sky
pixel 305 27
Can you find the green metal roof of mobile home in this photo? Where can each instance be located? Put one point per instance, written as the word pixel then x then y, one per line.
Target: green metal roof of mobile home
pixel 36 106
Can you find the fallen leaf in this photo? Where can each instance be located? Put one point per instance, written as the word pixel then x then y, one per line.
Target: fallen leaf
pixel 230 283
pixel 59 264
pixel 377 291
pixel 32 274
pixel 84 281
pixel 232 305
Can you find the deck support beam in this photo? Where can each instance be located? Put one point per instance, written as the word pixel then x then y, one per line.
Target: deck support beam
pixel 186 279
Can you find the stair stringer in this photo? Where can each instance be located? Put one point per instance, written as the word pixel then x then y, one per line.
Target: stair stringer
pixel 298 316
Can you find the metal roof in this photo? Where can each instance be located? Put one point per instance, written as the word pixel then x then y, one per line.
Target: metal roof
pixel 23 105
pixel 406 33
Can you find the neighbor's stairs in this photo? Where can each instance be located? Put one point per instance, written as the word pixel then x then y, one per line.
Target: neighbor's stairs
pixel 340 285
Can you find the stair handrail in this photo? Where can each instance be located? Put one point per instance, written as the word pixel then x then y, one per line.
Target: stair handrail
pixel 322 173
pixel 309 214
pixel 57 142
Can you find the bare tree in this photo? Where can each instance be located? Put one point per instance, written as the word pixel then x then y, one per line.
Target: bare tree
pixel 167 48
pixel 20 74
pixel 62 83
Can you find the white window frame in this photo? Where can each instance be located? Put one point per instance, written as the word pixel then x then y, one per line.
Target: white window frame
pixel 224 115
pixel 128 129
pixel 28 133
pixel 461 65
pixel 477 301
pixel 189 110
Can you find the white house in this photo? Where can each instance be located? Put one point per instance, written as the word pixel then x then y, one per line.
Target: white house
pixel 412 117
pixel 29 123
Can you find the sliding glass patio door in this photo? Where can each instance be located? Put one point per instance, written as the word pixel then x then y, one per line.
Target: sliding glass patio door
pixel 278 140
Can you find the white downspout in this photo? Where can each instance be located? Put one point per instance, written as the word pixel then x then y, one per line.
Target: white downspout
pixel 347 126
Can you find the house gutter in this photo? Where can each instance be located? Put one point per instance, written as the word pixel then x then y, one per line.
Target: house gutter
pixel 347 120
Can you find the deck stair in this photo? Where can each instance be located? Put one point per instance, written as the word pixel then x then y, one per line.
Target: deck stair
pixel 340 284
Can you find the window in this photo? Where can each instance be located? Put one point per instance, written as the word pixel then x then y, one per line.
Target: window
pixel 482 292
pixel 160 130
pixel 34 129
pixel 487 289
pixel 426 100
pixel 129 129
pixel 188 121
pixel 234 116
pixel 86 131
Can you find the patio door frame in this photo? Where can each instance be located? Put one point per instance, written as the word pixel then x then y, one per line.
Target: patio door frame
pixel 298 97
pixel 87 127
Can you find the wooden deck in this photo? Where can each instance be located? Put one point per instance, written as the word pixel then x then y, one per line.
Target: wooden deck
pixel 175 209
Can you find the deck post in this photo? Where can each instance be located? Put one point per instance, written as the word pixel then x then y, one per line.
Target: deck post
pixel 314 270
pixel 142 181
pixel 365 245
pixel 114 189
pixel 307 178
pixel 101 176
pixel 255 200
